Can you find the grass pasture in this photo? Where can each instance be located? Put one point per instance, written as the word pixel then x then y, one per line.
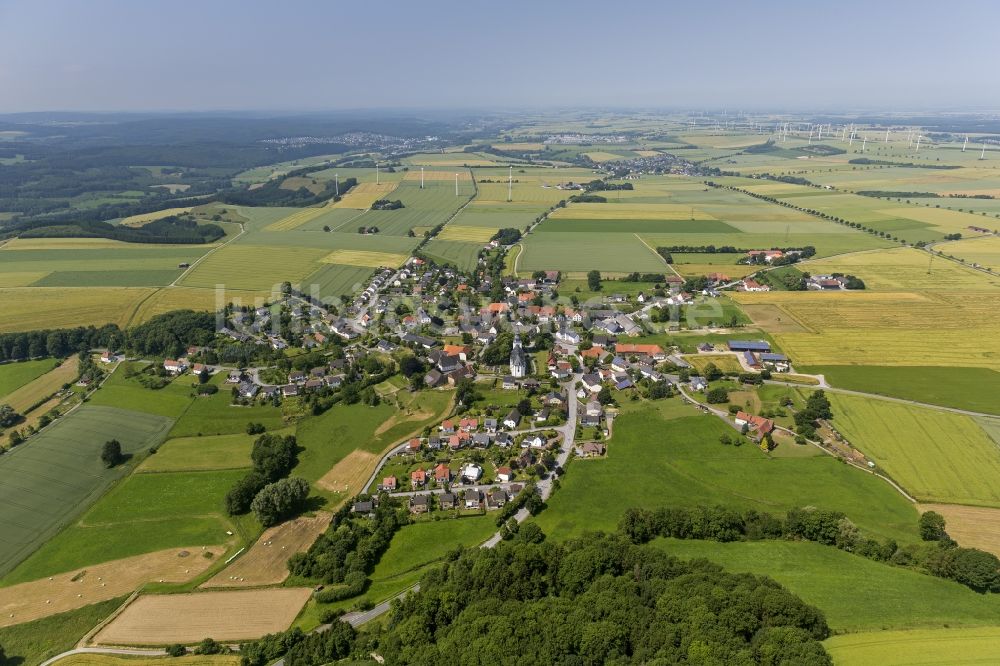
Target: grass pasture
pixel 918 647
pixel 855 594
pixel 972 389
pixel 200 453
pixel 15 375
pixel 37 390
pixel 59 473
pixel 655 461
pixel 936 456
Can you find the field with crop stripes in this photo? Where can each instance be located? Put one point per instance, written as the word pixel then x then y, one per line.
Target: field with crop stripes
pixel 59 473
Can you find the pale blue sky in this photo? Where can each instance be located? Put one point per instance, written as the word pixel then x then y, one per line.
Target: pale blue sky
pixel 225 54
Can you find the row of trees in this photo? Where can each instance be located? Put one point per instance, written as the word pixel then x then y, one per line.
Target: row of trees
pixel 940 556
pixel 350 547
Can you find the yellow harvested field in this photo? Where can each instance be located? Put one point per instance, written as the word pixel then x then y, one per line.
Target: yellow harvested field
pixel 21 279
pixel 297 182
pixel 31 308
pixel 296 219
pixel 519 146
pixel 363 195
pixel 647 153
pixel 772 318
pixel 369 259
pixel 41 388
pixel 471 234
pixel 970 526
pixel 984 251
pixel 81 587
pixel 630 211
pixel 93 659
pixel 905 269
pixel 188 618
pixel 436 174
pixel 266 563
pixel 350 473
pixel 601 156
pixel 887 328
pixel 139 220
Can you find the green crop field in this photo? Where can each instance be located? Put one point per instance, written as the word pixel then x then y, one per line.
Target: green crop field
pixel 956 647
pixel 972 389
pixel 333 280
pixel 460 253
pixel 855 593
pixel 655 461
pixel 255 267
pixel 58 473
pixel 610 252
pixel 15 375
pixel 937 456
pixel 144 513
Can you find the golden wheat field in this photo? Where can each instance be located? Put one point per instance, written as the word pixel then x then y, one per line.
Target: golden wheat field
pixel 887 328
pixel 363 195
pixel 139 220
pixel 905 269
pixel 984 251
pixel 366 258
pixel 470 234
pixel 296 219
pixel 26 308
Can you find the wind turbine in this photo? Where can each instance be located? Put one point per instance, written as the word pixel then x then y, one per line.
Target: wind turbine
pixel 982 155
pixel 456 184
pixel 510 185
pixel 421 178
pixel 886 135
pixel 820 136
pixel 966 143
pixel 336 185
pixel 864 143
pixel 919 137
pixel 376 173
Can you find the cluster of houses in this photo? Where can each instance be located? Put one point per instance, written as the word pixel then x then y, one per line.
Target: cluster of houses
pixel 826 282
pixel 469 499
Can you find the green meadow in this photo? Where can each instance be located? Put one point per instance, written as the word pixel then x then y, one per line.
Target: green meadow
pixel 660 456
pixel 973 389
pixel 15 375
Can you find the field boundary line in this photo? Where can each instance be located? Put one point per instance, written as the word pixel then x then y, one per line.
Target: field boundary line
pixel 672 269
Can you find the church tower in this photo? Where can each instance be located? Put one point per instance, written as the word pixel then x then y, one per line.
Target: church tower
pixel 518 361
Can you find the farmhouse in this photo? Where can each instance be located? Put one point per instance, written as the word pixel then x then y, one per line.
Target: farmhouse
pixel 442 474
pixel 757 426
pixel 749 284
pixel 505 474
pixel 388 484
pixel 653 351
pixel 174 367
pixel 418 478
pixel 592 449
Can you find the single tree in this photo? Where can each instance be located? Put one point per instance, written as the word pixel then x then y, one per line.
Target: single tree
pixel 111 454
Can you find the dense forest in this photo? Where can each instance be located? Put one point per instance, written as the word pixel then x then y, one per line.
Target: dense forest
pixel 173 229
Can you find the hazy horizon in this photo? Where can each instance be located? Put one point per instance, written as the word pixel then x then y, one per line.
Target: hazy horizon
pixel 313 57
